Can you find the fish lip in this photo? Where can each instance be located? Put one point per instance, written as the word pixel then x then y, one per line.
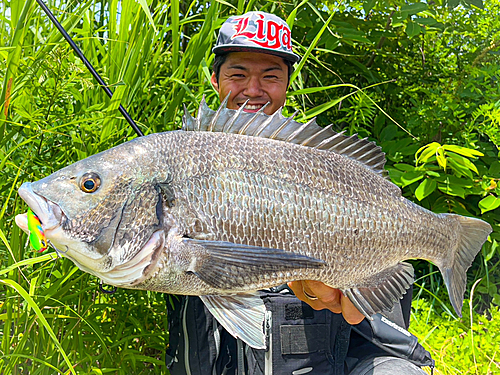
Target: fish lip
pixel 49 213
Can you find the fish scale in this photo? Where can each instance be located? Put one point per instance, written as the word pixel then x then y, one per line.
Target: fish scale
pixel 208 194
pixel 207 211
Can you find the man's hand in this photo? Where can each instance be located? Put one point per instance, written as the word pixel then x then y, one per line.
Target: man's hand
pixel 327 298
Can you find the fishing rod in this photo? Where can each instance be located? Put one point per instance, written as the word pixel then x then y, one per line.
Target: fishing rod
pixel 101 82
pixel 88 65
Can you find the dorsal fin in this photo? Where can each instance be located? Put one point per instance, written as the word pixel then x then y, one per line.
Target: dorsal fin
pixel 285 129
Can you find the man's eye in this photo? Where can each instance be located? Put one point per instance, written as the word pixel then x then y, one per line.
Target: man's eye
pixel 271 77
pixel 238 76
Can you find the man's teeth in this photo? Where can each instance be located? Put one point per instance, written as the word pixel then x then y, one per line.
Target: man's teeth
pixel 253 106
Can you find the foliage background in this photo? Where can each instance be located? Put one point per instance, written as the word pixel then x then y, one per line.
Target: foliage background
pixel 419 78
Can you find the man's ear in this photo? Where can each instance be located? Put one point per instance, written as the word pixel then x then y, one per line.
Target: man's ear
pixel 215 84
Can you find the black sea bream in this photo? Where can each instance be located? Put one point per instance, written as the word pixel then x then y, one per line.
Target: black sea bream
pixel 237 202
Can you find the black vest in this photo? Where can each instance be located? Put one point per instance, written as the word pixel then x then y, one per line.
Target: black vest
pixel 301 340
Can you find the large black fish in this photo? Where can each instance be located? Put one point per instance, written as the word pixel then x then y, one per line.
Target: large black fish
pixel 237 202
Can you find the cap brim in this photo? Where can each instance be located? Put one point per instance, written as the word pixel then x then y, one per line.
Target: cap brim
pixel 218 50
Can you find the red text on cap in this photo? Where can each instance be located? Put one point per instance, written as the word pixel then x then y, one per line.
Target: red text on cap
pixel 269 34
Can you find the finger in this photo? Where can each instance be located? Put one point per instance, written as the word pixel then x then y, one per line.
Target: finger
pixel 350 312
pixel 298 288
pixel 328 298
pixel 328 295
pixel 294 286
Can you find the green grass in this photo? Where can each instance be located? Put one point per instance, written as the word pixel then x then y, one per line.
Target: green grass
pixel 61 321
pixel 468 345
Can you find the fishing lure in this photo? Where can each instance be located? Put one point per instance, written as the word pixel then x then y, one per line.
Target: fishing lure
pixel 37 236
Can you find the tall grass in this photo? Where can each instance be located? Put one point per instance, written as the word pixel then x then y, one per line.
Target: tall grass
pixel 53 319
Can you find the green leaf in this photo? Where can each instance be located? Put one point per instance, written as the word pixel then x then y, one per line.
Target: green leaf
pixel 395 176
pixel 428 21
pixel 388 133
pixel 174 14
pixel 146 10
pixel 368 5
pixel 291 18
pixel 463 151
pixel 494 170
pixel 117 97
pixel 488 254
pixel 462 161
pixel 310 49
pixel 359 38
pixel 426 152
pixel 405 167
pixel 15 54
pixel 409 178
pixel 459 169
pixel 489 203
pixel 452 190
pixel 313 112
pixel 227 4
pixel 433 173
pixel 441 158
pixel 412 29
pixel 492 290
pixel 425 188
pixel 414 8
pixel 41 318
pixel 311 90
pixel 477 3
pixel 456 181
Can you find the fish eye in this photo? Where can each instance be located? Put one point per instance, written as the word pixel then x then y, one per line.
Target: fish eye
pixel 90 182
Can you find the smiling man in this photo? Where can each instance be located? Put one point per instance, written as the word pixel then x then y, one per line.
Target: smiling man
pixel 254 61
pixel 254 77
pixel 253 64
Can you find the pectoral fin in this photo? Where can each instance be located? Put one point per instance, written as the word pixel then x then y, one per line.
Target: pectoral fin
pixel 242 316
pixel 226 265
pixel 381 291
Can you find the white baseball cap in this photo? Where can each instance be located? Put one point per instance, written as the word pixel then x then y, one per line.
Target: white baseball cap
pixel 256 32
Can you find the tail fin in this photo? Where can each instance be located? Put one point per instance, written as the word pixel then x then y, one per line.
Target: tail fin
pixel 473 234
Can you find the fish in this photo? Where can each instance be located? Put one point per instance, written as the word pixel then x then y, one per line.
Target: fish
pixel 236 202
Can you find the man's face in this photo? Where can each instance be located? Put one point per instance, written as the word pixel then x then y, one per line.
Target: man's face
pixel 257 77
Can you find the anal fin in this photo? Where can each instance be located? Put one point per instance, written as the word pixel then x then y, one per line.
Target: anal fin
pixel 242 315
pixel 381 291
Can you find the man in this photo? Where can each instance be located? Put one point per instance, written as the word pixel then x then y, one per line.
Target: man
pixel 253 65
pixel 260 74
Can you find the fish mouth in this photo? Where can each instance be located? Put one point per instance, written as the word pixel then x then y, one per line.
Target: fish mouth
pixel 50 214
pixel 51 218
